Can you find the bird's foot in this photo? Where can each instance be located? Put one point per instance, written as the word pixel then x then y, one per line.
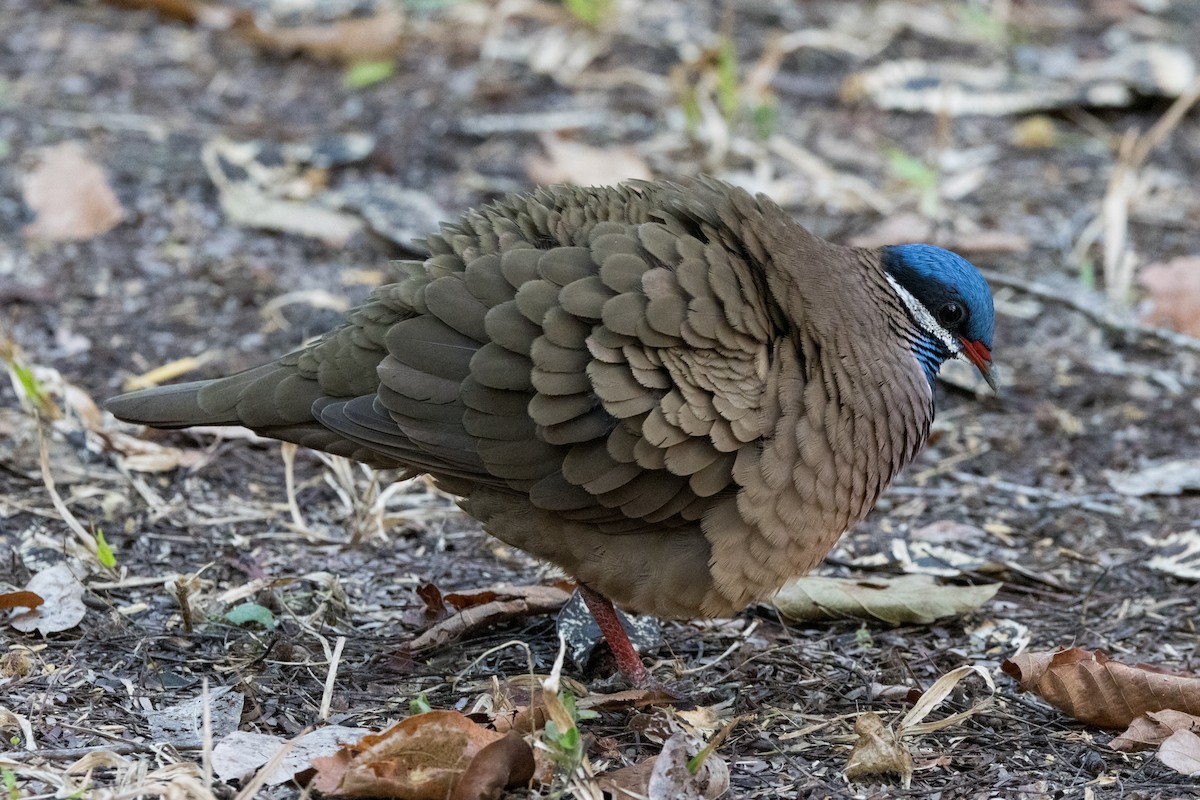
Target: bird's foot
pixel 629 663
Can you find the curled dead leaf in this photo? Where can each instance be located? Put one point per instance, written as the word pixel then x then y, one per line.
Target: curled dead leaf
pixel 1153 728
pixel 506 762
pixel 70 195
pixel 421 758
pixel 907 598
pixel 878 751
pixel 1099 691
pixel 1174 293
pixel 1181 752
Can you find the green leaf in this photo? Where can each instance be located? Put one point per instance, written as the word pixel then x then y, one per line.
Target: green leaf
pixel 766 118
pixel 29 384
pixel 1087 274
pixel 591 12
pixel 905 599
pixel 419 705
pixel 251 612
pixel 911 170
pixel 727 79
pixel 362 74
pixel 10 783
pixel 103 552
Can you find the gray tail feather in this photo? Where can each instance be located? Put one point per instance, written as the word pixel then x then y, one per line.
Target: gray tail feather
pixel 176 406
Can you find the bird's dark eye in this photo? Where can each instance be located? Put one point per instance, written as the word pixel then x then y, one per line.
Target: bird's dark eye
pixel 951 314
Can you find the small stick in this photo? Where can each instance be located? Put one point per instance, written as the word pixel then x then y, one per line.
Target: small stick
pixel 331 677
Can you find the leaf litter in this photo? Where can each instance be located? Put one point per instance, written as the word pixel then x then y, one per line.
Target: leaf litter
pixel 1096 690
pixel 903 599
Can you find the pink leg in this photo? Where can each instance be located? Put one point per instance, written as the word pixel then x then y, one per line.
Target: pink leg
pixel 628 661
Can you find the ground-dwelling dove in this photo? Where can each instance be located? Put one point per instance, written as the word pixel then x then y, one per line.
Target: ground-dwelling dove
pixel 674 392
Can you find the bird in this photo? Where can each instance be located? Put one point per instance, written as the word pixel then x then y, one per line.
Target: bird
pixel 671 390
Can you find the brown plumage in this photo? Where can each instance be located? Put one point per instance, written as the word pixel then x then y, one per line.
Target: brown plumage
pixel 675 393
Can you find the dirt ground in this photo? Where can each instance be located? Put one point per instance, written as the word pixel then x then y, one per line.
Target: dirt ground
pixel 477 91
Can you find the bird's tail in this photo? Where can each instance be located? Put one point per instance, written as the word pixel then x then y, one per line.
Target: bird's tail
pixel 242 399
pixel 176 406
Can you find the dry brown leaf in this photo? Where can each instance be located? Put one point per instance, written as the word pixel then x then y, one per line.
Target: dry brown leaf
pixel 628 783
pixel 20 600
pixel 192 11
pixel 506 762
pixel 1174 294
pixel 666 776
pixel 896 600
pixel 1153 728
pixel 1098 691
pixel 583 165
pixel 878 751
pixel 70 195
pixel 1181 752
pixel 63 607
pixel 420 758
pixel 510 602
pixel 357 39
pixel 529 714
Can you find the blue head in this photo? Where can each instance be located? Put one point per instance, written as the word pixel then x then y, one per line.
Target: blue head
pixel 953 302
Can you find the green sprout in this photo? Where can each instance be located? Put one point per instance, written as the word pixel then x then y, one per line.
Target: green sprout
pixel 589 12
pixel 419 705
pixel 920 176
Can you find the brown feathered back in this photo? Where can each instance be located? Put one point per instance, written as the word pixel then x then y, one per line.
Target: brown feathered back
pixel 674 392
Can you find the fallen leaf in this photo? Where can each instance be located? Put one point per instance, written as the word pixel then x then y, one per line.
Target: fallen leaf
pixel 905 599
pixel 374 37
pixel 183 724
pixel 913 722
pixel 930 558
pixel 420 758
pixel 1153 728
pixel 63 607
pixel 242 753
pixel 193 11
pixel 70 195
pixel 878 751
pixel 20 600
pixel 1167 478
pixel 509 602
pixel 1178 554
pixel 566 161
pixel 1181 752
pixel 435 604
pixel 946 531
pixel 1098 691
pixel 253 195
pixel 671 778
pixel 1174 294
pixel 506 762
pixel 627 783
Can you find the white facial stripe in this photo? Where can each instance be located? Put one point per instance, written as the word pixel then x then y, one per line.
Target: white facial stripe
pixel 925 319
